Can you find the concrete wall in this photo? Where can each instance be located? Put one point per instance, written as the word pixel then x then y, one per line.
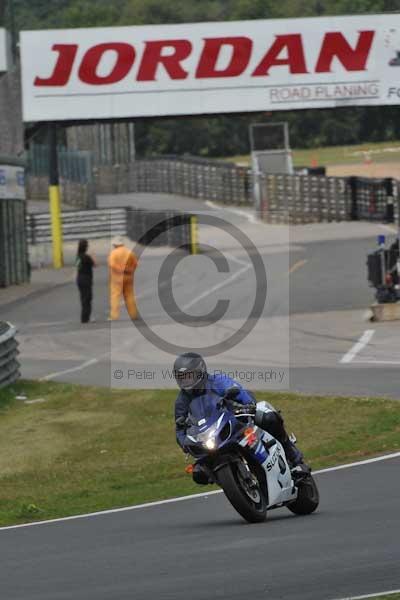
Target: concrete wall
pixel 11 127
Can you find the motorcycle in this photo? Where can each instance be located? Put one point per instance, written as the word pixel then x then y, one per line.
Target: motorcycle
pixel 248 463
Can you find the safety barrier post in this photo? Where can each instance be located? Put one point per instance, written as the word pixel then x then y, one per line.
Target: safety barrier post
pixel 193 235
pixel 55 199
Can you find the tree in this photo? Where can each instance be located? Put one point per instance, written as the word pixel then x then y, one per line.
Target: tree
pixel 220 135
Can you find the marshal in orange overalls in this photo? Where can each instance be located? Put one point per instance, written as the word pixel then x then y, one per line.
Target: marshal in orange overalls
pixel 122 263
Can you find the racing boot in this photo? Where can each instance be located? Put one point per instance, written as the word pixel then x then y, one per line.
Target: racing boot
pixel 295 458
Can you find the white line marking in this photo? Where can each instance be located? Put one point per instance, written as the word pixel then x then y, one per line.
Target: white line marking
pixel 376 362
pixel 183 498
pixel 359 463
pixel 362 342
pixel 377 595
pixel 237 260
pixel 82 366
pixel 92 361
pixel 298 265
pixel 217 286
pixel 389 228
pixel 242 213
pixel 246 267
pixel 112 511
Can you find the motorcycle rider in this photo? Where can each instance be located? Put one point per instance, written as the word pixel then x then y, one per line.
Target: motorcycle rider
pixel 191 375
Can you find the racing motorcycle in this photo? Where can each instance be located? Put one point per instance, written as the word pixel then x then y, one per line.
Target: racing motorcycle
pixel 248 463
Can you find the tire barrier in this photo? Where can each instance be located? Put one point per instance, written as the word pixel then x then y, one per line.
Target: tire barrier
pixel 9 365
pixel 185 176
pixel 300 199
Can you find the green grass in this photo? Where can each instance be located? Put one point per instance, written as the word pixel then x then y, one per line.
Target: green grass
pixel 86 449
pixel 389 597
pixel 337 155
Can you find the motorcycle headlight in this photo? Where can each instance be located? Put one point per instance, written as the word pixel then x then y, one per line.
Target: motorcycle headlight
pixel 210 443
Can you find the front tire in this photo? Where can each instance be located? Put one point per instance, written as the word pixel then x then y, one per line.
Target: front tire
pixel 307 500
pixel 249 501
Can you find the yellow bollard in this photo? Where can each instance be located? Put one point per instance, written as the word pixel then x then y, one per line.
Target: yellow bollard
pixel 56 226
pixel 193 235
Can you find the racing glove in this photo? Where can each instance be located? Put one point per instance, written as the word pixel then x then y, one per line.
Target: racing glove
pixel 243 409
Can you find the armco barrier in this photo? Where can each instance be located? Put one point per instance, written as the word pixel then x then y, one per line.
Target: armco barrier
pixel 9 365
pixel 77 224
pixel 158 228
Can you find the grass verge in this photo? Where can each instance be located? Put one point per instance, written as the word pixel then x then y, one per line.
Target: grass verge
pixel 338 155
pixel 80 449
pixel 386 597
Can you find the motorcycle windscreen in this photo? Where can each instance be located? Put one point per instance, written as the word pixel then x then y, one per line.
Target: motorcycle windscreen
pixel 204 407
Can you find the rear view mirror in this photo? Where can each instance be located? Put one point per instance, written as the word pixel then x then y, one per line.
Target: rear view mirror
pixel 232 392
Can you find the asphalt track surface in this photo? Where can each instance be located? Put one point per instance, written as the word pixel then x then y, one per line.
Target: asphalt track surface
pixel 326 295
pixel 201 548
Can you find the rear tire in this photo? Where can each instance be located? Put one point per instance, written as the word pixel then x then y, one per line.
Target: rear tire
pixel 252 510
pixel 307 500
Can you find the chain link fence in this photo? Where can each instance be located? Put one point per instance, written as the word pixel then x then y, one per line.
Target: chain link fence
pixel 76 176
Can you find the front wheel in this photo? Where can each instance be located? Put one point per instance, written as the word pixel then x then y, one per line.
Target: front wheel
pixel 243 491
pixel 307 498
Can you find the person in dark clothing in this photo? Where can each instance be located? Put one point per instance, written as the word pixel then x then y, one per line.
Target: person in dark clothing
pixel 84 279
pixel 191 375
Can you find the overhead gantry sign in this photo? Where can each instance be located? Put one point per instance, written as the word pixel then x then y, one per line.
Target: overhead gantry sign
pixel 210 67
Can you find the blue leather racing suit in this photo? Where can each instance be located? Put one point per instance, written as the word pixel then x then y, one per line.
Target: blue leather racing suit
pixel 218 384
pixel 215 383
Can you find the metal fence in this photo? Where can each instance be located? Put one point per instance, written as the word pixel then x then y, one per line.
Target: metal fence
pixel 9 365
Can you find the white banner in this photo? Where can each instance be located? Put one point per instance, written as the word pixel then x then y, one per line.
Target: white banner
pixel 203 68
pixel 12 182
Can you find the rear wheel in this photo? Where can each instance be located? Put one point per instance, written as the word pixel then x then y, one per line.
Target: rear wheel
pixel 307 498
pixel 243 491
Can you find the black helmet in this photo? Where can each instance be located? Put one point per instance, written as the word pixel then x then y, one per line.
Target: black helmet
pixel 190 371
